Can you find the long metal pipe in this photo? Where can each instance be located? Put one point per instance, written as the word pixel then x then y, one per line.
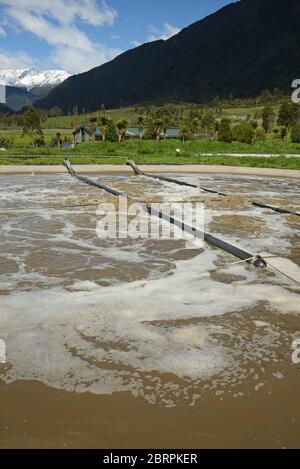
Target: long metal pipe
pixel 256 260
pixel 138 172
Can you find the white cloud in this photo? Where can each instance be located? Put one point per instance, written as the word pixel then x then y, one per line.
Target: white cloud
pixel 16 60
pixel 155 34
pixel 136 43
pixel 66 11
pixel 168 31
pixel 55 22
pixel 57 35
pixel 2 31
pixel 75 60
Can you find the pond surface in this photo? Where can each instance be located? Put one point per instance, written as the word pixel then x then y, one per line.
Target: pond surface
pixel 150 343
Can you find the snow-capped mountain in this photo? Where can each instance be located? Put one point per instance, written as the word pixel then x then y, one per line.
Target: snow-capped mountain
pixel 32 78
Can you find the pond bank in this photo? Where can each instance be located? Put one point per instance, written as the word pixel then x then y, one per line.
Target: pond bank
pixel 109 168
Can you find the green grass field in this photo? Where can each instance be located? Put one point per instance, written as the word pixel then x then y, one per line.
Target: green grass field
pixel 164 152
pixel 129 114
pixel 151 152
pixel 164 148
pixel 279 162
pixel 147 151
pixel 72 122
pixel 20 141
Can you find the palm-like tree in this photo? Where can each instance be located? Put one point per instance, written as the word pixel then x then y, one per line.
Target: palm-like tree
pixel 122 127
pixel 194 125
pixel 93 122
pixel 58 139
pixel 165 124
pixel 158 127
pixel 208 122
pixel 141 125
pixel 184 131
pixel 104 123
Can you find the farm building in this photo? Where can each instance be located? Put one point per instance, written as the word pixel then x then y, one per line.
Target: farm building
pixel 84 133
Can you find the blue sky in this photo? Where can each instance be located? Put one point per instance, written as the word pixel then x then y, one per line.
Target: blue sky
pixel 76 35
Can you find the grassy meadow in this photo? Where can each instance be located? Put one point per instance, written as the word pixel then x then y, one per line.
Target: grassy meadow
pixel 151 152
pixel 148 151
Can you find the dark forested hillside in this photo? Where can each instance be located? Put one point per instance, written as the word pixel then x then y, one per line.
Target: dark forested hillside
pixel 242 49
pixel 17 98
pixel 4 109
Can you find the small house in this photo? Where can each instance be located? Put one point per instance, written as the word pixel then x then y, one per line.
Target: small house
pixel 84 133
pixel 171 132
pixel 134 132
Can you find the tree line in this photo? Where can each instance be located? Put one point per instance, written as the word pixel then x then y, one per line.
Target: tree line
pixel 192 121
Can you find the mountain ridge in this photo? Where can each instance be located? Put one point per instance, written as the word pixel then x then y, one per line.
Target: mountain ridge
pixel 30 78
pixel 25 86
pixel 4 109
pixel 243 48
pixel 18 98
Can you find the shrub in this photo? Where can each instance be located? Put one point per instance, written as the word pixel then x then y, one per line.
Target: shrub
pixel 111 133
pixel 295 133
pixel 288 114
pixel 5 142
pixel 268 118
pixel 260 135
pixel 283 132
pixel 243 133
pixel 39 142
pixel 150 131
pixel 224 131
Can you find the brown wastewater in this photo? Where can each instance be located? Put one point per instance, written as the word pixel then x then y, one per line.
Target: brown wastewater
pixel 125 343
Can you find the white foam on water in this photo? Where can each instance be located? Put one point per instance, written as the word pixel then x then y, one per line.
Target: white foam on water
pixel 84 286
pixel 59 337
pixel 145 336
pixel 261 324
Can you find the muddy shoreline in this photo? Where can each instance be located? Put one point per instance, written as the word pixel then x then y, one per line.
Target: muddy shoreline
pixel 50 418
pixel 119 169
